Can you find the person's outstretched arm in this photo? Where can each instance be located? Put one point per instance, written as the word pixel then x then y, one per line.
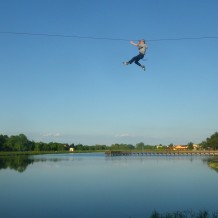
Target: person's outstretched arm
pixel 133 43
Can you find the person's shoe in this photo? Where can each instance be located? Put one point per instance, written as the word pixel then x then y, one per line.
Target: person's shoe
pixel 143 67
pixel 125 63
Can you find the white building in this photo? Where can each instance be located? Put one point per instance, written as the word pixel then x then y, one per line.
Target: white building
pixel 71 149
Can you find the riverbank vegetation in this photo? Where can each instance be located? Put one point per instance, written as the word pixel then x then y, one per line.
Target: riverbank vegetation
pixel 20 144
pixel 185 214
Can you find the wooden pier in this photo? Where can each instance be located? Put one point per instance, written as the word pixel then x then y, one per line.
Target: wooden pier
pixel 162 152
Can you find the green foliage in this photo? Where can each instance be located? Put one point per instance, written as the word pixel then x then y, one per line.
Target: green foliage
pixel 190 145
pixel 121 147
pixel 140 146
pixel 211 142
pixel 3 139
pixel 21 143
pixel 185 214
pixel 18 143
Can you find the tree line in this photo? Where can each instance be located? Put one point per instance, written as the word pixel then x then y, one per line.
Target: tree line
pixel 22 143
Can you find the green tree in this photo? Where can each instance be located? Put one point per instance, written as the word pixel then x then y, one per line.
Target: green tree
pixel 100 147
pixel 212 142
pixel 170 145
pixel 130 146
pixel 190 146
pixel 121 146
pixel 3 140
pixel 18 143
pixel 149 147
pixel 54 146
pixel 115 146
pixel 40 146
pixel 140 145
pixel 79 147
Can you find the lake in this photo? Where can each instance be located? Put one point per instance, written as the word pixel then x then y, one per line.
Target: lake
pixel 98 186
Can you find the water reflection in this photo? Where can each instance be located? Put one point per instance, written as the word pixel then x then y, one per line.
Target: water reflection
pixel 213 163
pixel 21 162
pixel 18 163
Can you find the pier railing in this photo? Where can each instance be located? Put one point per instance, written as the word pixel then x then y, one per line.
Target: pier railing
pixel 163 152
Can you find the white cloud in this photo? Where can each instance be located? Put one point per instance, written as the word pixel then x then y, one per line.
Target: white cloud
pixel 54 135
pixel 122 135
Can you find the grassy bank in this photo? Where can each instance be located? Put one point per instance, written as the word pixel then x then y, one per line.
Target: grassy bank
pixel 213 164
pixel 185 214
pixel 16 153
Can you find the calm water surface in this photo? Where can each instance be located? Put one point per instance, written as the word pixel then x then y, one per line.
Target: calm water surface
pixel 93 185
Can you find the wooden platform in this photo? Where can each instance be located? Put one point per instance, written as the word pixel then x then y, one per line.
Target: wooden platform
pixel 162 152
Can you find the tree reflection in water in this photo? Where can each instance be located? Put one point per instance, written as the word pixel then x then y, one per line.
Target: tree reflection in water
pixel 213 163
pixel 18 163
pixel 21 162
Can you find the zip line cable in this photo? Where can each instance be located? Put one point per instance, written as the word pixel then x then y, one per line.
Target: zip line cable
pixel 62 36
pixel 183 38
pixel 105 38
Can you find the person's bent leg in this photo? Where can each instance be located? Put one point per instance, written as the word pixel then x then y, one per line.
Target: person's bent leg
pixel 137 62
pixel 134 59
pixel 137 58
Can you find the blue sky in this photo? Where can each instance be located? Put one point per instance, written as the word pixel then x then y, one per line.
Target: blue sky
pixel 76 90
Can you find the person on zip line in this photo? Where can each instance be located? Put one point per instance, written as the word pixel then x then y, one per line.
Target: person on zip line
pixel 142 47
